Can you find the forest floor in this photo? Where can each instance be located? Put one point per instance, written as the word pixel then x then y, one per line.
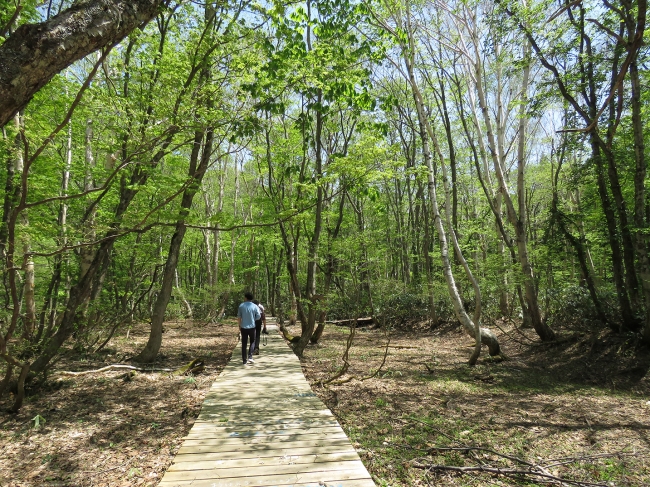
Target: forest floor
pixel 112 428
pixel 578 409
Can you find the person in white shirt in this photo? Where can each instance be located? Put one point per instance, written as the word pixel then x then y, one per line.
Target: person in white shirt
pixel 258 327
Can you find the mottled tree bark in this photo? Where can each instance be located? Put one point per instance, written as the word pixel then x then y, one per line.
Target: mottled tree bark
pixel 34 53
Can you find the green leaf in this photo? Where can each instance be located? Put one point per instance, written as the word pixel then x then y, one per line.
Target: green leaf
pixel 38 421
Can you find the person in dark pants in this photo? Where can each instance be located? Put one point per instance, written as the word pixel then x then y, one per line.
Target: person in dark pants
pixel 258 327
pixel 247 314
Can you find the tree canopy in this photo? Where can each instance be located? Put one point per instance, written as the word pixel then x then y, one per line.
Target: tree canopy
pixel 443 161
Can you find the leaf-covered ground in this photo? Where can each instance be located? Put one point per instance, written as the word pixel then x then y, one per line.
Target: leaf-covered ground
pixel 112 429
pixel 579 408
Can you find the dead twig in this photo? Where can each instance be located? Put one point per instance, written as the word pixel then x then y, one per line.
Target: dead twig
pixel 567 460
pixel 94 473
pixel 509 472
pixel 486 450
pixel 346 364
pixel 535 470
pixel 381 365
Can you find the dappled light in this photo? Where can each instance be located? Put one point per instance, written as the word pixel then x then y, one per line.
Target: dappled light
pixel 442 205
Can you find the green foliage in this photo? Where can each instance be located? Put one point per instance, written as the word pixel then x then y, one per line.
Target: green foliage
pixel 318 163
pixel 38 421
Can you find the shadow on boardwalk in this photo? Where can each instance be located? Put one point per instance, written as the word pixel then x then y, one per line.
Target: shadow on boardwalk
pixel 261 425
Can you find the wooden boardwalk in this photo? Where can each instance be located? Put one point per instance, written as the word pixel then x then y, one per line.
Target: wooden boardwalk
pixel 262 425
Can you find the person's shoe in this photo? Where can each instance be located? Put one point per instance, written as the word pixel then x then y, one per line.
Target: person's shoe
pixel 256 352
pixel 251 361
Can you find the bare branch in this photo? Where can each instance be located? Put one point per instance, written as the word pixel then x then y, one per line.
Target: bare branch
pixel 608 30
pixel 510 472
pixel 5 28
pixel 563 9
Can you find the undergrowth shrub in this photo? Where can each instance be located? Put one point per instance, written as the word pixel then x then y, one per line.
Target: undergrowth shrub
pixel 572 309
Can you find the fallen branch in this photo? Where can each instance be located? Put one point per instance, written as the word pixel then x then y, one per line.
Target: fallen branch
pixel 430 426
pixel 341 381
pixel 381 365
pixel 509 472
pixel 568 460
pixel 114 367
pixel 344 368
pixel 477 448
pixel 196 366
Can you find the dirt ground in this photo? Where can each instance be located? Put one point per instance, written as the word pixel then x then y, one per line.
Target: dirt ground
pixel 111 429
pixel 577 410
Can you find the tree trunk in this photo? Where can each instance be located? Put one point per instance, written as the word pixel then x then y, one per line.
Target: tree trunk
pixel 10 188
pixel 640 222
pixel 29 321
pixel 34 53
pixel 152 347
pixel 330 268
pixel 187 304
pixel 86 253
pixel 482 335
pixel 434 321
pixel 578 246
pixel 517 220
pixel 495 200
pixel 617 259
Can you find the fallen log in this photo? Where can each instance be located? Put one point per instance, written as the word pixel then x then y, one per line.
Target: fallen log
pixel 349 322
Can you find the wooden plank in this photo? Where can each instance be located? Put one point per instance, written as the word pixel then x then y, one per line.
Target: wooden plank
pixel 260 440
pixel 299 478
pixel 262 403
pixel 232 414
pixel 260 393
pixel 241 446
pixel 229 483
pixel 286 416
pixel 183 462
pixel 353 469
pixel 262 426
pixel 204 433
pixel 271 452
pixel 260 469
pixel 277 421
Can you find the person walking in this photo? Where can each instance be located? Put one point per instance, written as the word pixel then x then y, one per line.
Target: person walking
pixel 247 314
pixel 258 327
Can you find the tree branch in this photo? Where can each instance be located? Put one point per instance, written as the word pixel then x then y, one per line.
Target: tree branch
pixel 5 28
pixel 35 53
pixel 510 472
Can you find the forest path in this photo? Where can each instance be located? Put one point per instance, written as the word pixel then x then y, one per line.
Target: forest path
pixel 261 425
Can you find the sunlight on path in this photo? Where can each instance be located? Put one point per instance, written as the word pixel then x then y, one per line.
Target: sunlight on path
pixel 262 426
